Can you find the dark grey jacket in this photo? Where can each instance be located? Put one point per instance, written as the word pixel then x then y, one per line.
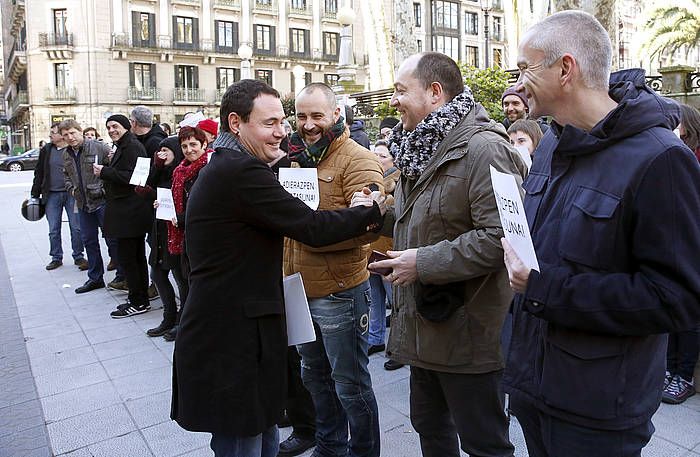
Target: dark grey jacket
pixel 91 195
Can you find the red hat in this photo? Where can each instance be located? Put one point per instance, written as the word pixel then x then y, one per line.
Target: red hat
pixel 209 125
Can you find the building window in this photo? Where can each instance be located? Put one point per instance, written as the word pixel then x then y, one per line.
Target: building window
pixel 497 28
pixel 331 45
pixel 227 76
pixel 417 15
pixel 445 15
pixel 448 45
pixel 497 57
pixel 298 4
pixel 143 75
pixel 61 74
pixel 471 56
pixel 331 6
pixel 471 23
pixel 264 75
pixel 60 19
pixel 143 29
pixel 263 39
pixel 299 42
pixel 292 79
pixel 226 36
pixel 419 45
pixel 186 34
pixel 186 77
pixel 331 79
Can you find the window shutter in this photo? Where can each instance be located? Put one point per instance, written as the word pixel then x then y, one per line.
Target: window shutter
pixel 135 30
pixel 132 83
pixel 216 35
pixel 176 37
pixel 255 37
pixel 195 33
pixel 153 75
pixel 235 37
pixel 307 42
pixel 195 77
pixel 337 45
pixel 177 82
pixel 152 29
pixel 291 44
pixel 273 40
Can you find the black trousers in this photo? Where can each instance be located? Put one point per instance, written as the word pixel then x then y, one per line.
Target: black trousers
pixel 132 258
pixel 682 355
pixel 300 405
pixel 165 288
pixel 548 436
pixel 445 405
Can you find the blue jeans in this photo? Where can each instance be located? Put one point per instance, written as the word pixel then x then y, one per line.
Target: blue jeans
pixel 381 292
pixel 89 225
pixel 55 203
pixel 334 370
pixel 265 444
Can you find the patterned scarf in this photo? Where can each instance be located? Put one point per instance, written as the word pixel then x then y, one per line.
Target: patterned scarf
pixel 413 150
pixel 310 155
pixel 185 172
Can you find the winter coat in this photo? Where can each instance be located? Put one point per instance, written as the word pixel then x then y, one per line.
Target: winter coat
pixel 42 173
pixel 91 196
pixel 346 169
pixel 613 215
pixel 358 134
pixel 230 369
pixel 127 215
pixel 449 213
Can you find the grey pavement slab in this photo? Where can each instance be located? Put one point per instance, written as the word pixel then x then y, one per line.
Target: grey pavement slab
pixel 104 388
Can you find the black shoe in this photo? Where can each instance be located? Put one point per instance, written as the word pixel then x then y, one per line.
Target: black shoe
pixel 90 285
pixel 161 330
pixel 391 365
pixel 373 349
pixel 152 292
pixel 295 445
pixel 54 264
pixel 284 422
pixel 171 334
pixel 127 309
pixel 82 264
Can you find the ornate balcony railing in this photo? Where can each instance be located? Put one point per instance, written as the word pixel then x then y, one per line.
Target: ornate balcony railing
pixel 188 95
pixel 61 94
pixel 22 98
pixel 144 94
pixel 55 39
pixel 265 5
pixel 298 7
pixel 228 3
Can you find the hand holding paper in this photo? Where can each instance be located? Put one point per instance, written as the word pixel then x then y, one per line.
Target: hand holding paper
pixel 518 273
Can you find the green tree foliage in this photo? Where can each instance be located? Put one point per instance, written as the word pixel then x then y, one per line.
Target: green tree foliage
pixel 675 28
pixel 487 86
pixel 383 110
pixel 288 105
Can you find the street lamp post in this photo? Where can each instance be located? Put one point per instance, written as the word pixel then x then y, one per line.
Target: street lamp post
pixel 486 6
pixel 299 81
pixel 245 52
pixel 346 70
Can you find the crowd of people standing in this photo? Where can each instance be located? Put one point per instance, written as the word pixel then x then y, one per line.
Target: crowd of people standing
pixel 585 355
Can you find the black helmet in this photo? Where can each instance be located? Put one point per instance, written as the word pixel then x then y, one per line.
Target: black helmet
pixel 33 209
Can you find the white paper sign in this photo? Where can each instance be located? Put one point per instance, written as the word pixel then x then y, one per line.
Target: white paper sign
pixel 141 170
pixel 97 160
pixel 302 183
pixel 166 206
pixel 513 219
pixel 300 328
pixel 192 120
pixel 525 155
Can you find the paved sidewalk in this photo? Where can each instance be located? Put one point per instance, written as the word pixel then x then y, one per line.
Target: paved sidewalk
pixel 101 387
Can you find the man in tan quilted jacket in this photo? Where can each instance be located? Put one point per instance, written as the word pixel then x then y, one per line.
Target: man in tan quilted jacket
pixel 334 367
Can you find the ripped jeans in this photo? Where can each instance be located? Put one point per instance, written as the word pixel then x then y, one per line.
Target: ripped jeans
pixel 334 370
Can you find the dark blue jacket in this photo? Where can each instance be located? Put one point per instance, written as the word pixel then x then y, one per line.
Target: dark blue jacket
pixel 614 220
pixel 358 134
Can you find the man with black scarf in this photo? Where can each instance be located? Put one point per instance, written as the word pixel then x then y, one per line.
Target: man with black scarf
pixel 450 285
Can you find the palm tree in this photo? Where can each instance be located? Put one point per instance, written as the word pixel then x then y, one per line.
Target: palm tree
pixel 675 28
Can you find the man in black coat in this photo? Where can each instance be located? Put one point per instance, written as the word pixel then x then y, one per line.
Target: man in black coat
pixel 229 367
pixel 49 184
pixel 128 217
pixel 150 134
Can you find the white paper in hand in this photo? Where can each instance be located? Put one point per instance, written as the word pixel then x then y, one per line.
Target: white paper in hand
pixel 513 219
pixel 141 170
pixel 300 328
pixel 525 155
pixel 166 205
pixel 302 183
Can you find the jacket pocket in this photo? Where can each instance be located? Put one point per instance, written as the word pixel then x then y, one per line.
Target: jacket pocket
pixel 583 375
pixel 95 191
pixel 444 343
pixel 589 228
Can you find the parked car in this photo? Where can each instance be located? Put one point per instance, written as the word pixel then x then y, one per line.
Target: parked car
pixel 26 161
